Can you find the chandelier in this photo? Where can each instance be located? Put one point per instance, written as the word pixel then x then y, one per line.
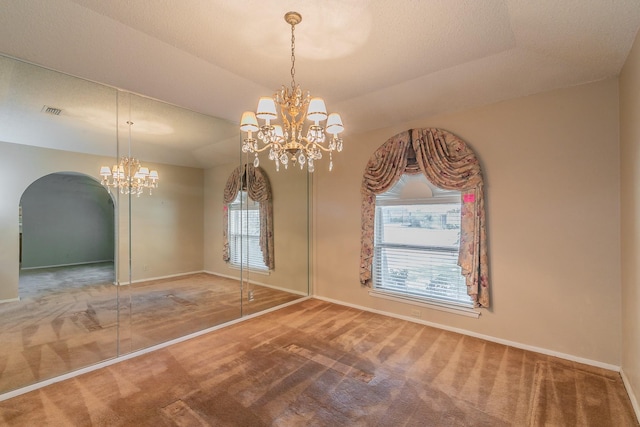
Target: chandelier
pixel 288 142
pixel 129 176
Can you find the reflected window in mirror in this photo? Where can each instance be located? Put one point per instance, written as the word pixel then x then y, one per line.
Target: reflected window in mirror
pixel 244 233
pixel 249 190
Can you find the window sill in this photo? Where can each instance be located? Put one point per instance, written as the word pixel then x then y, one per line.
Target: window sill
pixel 250 270
pixel 441 306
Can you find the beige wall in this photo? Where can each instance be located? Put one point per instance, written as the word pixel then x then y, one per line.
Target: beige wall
pixel 289 188
pixel 552 183
pixel 630 217
pixel 167 227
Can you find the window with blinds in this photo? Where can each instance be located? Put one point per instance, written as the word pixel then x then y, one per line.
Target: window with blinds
pixel 417 238
pixel 244 233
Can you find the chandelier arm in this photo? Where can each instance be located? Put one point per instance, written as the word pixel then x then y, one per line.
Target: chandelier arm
pixel 311 143
pixel 273 146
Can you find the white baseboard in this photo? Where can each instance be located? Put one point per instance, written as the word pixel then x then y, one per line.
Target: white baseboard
pixel 151 279
pixel 481 336
pixel 2 301
pixel 449 308
pixel 226 276
pixel 172 276
pixel 128 356
pixel 632 395
pixel 250 270
pixel 67 265
pixel 255 282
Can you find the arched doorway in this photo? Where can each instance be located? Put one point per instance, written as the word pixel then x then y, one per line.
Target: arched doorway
pixel 67 234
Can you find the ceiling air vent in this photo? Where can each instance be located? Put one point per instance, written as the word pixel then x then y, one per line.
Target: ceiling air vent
pixel 51 110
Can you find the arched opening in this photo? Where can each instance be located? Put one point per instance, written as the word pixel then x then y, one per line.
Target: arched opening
pixel 67 234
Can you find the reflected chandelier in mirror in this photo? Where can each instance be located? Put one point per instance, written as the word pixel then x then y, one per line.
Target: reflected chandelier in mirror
pixel 129 175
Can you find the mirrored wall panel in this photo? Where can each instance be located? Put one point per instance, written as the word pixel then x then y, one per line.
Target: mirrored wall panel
pixel 116 234
pixel 58 302
pixel 266 215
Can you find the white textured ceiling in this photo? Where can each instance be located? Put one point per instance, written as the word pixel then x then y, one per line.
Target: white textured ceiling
pixel 377 62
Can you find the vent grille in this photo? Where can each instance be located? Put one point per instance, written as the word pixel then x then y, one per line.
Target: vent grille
pixel 51 110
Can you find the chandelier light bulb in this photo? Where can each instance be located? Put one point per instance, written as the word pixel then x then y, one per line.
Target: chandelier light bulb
pixel 334 124
pixel 317 111
pixel 249 122
pixel 266 109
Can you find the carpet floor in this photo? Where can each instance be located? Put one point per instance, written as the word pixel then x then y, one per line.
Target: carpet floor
pixel 60 326
pixel 321 364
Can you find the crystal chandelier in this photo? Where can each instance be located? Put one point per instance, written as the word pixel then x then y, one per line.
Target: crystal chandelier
pixel 129 176
pixel 287 143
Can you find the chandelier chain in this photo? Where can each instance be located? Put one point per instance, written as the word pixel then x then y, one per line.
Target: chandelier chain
pixel 293 57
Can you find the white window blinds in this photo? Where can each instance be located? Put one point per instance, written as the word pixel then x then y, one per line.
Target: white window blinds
pixel 244 233
pixel 417 237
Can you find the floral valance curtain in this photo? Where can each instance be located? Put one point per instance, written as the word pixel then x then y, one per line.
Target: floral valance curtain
pixel 447 162
pixel 255 182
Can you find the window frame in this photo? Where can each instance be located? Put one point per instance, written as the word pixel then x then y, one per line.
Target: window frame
pixel 393 197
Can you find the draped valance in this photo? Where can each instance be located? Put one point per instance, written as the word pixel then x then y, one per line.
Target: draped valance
pixel 447 162
pixel 254 181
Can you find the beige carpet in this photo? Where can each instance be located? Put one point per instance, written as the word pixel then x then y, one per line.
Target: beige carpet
pixel 57 329
pixel 319 364
pixel 37 282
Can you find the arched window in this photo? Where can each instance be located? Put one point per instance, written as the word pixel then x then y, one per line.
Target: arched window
pixel 247 227
pixel 450 170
